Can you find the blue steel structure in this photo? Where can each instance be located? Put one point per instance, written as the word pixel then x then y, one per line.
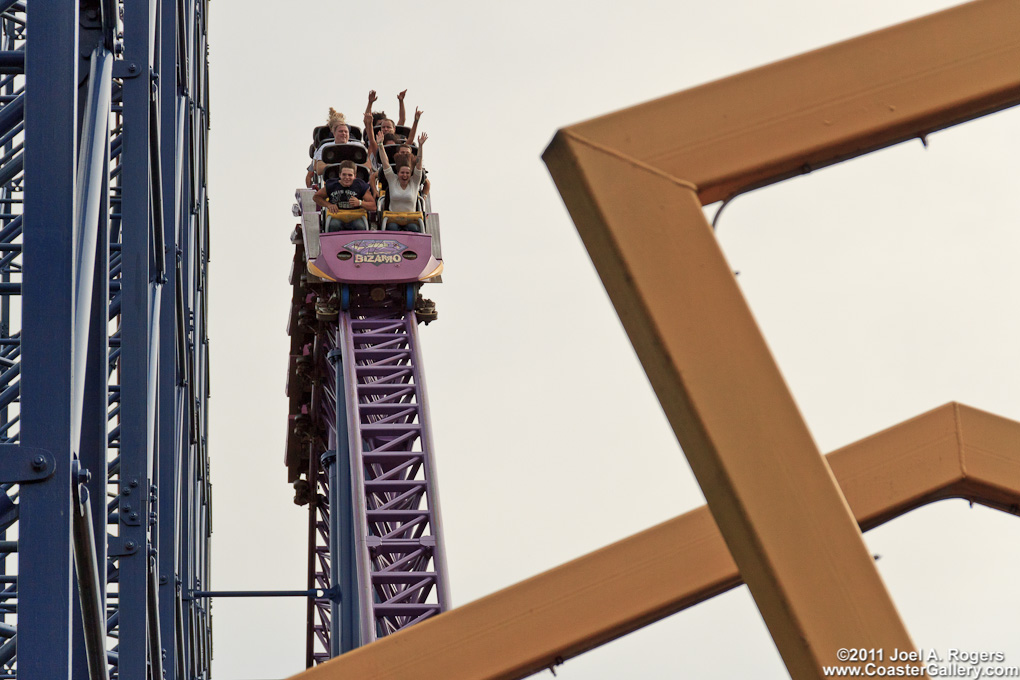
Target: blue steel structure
pixel 103 343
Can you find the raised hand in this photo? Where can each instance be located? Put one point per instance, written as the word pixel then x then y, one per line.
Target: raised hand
pixel 400 96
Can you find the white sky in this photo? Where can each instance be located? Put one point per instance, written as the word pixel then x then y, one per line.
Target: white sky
pixel 885 287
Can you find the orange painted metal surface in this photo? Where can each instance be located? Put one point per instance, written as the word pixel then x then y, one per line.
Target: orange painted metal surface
pixel 777 505
pixel 646 577
pixel 768 488
pixel 828 105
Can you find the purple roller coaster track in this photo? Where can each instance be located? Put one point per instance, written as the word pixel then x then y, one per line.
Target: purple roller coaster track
pixel 359 444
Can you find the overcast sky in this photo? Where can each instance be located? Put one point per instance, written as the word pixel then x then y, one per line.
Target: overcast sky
pixel 885 287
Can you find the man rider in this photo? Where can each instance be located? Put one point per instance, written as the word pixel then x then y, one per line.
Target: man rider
pixel 346 200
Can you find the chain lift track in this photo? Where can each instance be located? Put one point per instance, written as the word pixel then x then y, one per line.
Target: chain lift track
pixel 360 453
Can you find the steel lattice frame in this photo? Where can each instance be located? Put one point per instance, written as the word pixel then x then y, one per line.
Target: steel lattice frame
pixel 360 436
pixel 103 385
pixel 395 501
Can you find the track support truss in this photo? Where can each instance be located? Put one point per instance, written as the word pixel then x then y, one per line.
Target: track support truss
pixel 360 432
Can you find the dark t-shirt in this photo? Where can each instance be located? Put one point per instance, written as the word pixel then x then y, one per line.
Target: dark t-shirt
pixel 339 195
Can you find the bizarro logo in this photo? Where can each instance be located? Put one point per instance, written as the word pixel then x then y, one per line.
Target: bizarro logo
pixel 376 251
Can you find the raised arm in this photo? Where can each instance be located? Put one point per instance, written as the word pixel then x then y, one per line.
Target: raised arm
pixel 371 100
pixel 414 128
pixel 370 134
pixel 403 114
pixel 421 149
pixel 384 158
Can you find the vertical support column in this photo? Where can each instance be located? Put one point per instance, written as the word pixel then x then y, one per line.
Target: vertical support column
pixel 45 586
pixel 198 101
pixel 189 445
pixel 173 430
pixel 92 449
pixel 136 435
pixel 346 618
pixel 89 365
pixel 329 465
pixel 92 316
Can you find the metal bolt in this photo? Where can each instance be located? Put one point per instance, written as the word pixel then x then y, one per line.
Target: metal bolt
pixel 163 580
pixel 125 492
pixel 132 68
pixel 39 463
pixel 133 515
pixel 130 545
pixel 134 482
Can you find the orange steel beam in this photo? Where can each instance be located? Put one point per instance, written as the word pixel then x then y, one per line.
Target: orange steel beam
pixel 825 106
pixel 952 451
pixel 774 499
pixel 637 204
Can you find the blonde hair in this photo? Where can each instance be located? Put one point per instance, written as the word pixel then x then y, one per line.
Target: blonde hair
pixel 334 118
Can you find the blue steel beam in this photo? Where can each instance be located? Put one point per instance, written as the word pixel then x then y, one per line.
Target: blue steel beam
pixel 173 429
pixel 92 451
pixel 189 516
pixel 137 332
pixel 89 372
pixel 90 200
pixel 44 561
pixel 12 114
pixel 136 189
pixel 12 62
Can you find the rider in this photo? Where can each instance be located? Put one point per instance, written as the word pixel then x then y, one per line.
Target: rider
pixel 341 135
pixel 346 200
pixel 404 187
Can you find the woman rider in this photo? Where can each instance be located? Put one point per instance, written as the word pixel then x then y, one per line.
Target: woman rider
pixel 402 193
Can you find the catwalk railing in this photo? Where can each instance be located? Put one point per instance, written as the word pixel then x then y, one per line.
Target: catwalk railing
pixel 103 351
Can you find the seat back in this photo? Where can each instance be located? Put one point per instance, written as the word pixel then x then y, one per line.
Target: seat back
pixel 334 153
pixel 321 135
pixel 391 150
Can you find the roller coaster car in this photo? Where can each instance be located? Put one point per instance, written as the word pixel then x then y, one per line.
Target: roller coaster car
pixel 367 257
pixel 375 257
